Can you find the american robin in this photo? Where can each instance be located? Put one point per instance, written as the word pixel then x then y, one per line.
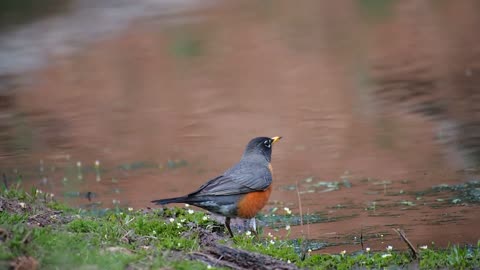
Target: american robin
pixel 241 191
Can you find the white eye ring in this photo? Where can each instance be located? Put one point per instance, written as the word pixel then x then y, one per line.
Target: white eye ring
pixel 267 143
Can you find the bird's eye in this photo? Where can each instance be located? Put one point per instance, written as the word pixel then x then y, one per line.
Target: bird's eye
pixel 267 143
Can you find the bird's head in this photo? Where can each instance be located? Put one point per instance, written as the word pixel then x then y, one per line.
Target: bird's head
pixel 261 146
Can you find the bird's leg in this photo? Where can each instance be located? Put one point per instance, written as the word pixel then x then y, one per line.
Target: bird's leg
pixel 253 226
pixel 227 224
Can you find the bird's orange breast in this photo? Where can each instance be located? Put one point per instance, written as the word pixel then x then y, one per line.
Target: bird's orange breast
pixel 253 202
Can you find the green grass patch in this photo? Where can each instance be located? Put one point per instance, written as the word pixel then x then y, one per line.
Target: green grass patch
pixel 121 238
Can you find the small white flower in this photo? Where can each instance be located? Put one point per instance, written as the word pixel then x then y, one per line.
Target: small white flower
pixel 205 218
pixel 389 248
pixel 79 164
pixel 248 233
pixel 288 261
pixel 209 266
pixel 52 195
pixel 287 210
pixel 343 252
pixel 287 227
pixel 38 191
pixel 179 225
pixel 270 234
pixel 154 232
pixel 22 204
pixel 171 220
pixel 183 220
pixel 97 163
pixel 130 209
pixel 272 242
pixel 190 211
pixel 187 205
pixel 367 249
pixel 386 255
pixel 424 247
pixel 309 250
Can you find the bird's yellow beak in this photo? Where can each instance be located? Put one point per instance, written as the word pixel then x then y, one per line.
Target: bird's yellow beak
pixel 276 138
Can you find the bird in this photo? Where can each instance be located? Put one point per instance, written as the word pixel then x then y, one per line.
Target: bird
pixel 241 191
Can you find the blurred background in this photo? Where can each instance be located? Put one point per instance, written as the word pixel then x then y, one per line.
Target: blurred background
pixel 111 103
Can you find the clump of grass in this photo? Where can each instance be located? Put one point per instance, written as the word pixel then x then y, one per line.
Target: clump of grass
pixel 110 239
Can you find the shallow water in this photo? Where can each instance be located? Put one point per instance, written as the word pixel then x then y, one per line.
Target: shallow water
pixel 157 107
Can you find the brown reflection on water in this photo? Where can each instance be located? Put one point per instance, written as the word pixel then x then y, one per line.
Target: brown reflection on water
pixel 156 96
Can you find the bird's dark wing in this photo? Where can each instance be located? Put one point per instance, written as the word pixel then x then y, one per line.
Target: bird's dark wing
pixel 240 179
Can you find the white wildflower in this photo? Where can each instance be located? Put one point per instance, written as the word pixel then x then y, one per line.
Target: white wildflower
pixel 309 250
pixel 205 218
pixel 248 233
pixel 171 220
pixel 272 242
pixel 22 204
pixel 79 164
pixel 209 266
pixel 343 252
pixel 424 247
pixel 386 255
pixel 389 248
pixel 367 249
pixel 288 261
pixel 270 234
pixel 130 209
pixel 187 205
pixel 287 210
pixel 190 211
pixel 287 227
pixel 97 163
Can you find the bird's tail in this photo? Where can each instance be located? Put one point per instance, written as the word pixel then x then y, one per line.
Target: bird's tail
pixel 183 199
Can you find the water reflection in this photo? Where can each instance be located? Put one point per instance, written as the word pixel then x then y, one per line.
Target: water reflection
pixel 373 112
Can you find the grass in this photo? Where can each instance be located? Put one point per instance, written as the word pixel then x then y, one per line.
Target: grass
pixel 70 238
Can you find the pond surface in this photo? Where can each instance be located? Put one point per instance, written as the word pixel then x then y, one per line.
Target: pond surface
pixel 117 107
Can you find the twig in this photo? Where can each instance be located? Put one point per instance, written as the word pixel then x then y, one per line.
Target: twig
pixel 25 238
pixel 402 235
pixel 308 223
pixel 361 237
pixel 299 205
pixel 304 245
